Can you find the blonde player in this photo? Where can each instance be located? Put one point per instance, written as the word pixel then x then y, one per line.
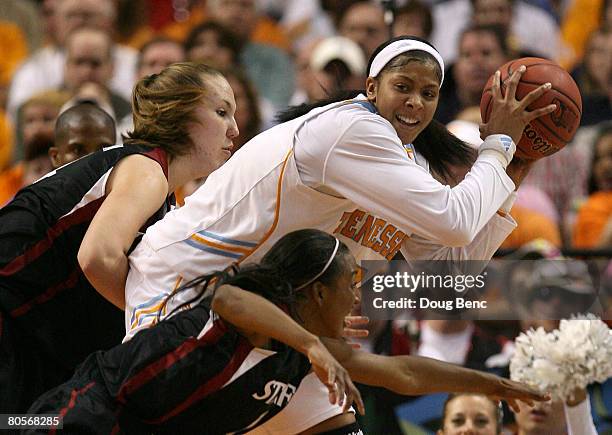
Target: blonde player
pixel 360 169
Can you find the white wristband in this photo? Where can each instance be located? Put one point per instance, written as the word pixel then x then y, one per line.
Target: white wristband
pixel 500 146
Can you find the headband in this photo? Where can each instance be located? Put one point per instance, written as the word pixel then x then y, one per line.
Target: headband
pixel 403 46
pixel 329 262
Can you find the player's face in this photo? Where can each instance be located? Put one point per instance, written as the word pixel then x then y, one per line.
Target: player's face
pixel 342 297
pixel 215 126
pixel 407 97
pixel 474 415
pixel 80 140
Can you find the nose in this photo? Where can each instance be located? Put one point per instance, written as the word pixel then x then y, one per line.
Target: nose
pixel 414 100
pixel 233 131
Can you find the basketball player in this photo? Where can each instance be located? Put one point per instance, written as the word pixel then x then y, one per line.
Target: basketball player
pixel 361 169
pixel 92 210
pixel 81 130
pixel 187 375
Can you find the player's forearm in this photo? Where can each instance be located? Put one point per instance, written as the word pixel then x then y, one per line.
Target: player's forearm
pixel 107 274
pixel 253 313
pixel 419 375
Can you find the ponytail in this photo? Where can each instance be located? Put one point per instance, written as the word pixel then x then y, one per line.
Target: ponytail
pixel 442 150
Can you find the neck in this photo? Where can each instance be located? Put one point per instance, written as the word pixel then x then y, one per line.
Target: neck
pixel 180 172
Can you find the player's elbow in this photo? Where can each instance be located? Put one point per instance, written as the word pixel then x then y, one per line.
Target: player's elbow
pixel 96 262
pixel 455 236
pixel 225 300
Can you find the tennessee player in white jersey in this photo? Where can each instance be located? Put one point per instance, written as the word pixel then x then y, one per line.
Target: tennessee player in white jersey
pixel 356 169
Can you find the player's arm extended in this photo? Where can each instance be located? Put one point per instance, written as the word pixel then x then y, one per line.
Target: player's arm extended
pixel 415 375
pixel 136 189
pixel 256 317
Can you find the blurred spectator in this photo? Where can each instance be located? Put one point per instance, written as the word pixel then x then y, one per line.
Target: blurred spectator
pixel 156 54
pixel 466 413
pixel 363 21
pixel 562 177
pixel 34 165
pixel 24 14
pixel 597 108
pixel 531 226
pixel 37 116
pixel 470 413
pixel 45 68
pixel 303 20
pixel 14 50
pixel 213 44
pixel 133 27
pixel 579 20
pixel 79 131
pixel 594 222
pixel 328 66
pixel 533 29
pixel 413 18
pixel 482 49
pixel 269 68
pixel 591 73
pixel 456 341
pixel 89 60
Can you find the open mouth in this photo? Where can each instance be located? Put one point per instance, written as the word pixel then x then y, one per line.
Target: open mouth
pixel 407 121
pixel 538 414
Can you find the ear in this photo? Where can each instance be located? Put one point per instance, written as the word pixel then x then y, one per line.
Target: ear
pixel 54 157
pixel 319 293
pixel 371 89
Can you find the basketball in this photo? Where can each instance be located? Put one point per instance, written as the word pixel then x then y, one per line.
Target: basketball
pixel 547 134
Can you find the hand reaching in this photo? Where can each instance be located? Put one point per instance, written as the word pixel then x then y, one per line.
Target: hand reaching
pixel 512 392
pixel 341 389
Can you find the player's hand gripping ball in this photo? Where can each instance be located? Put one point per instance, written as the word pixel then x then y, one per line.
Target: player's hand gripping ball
pixel 549 133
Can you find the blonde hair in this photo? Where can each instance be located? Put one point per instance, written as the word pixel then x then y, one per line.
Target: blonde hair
pixel 164 104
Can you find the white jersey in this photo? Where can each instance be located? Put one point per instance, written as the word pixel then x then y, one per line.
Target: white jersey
pixel 341 169
pixel 377 200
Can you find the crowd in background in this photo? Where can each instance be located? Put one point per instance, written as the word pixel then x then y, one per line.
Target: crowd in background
pixel 275 53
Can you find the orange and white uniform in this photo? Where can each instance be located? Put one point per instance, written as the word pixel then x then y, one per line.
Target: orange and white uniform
pixel 340 168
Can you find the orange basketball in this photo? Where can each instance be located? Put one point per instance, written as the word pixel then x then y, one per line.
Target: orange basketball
pixel 549 133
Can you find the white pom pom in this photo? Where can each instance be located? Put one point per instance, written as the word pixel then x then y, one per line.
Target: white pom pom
pixel 573 356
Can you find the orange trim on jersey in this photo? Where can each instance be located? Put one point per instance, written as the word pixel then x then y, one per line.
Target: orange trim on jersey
pixel 276 209
pixel 155 307
pixel 199 239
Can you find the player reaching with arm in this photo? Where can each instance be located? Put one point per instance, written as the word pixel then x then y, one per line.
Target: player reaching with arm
pixel 235 369
pixel 360 169
pixel 69 233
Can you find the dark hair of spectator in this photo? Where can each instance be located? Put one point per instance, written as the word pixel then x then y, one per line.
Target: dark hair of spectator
pixel 150 43
pixel 497 30
pixel 605 129
pixel 416 7
pixel 225 38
